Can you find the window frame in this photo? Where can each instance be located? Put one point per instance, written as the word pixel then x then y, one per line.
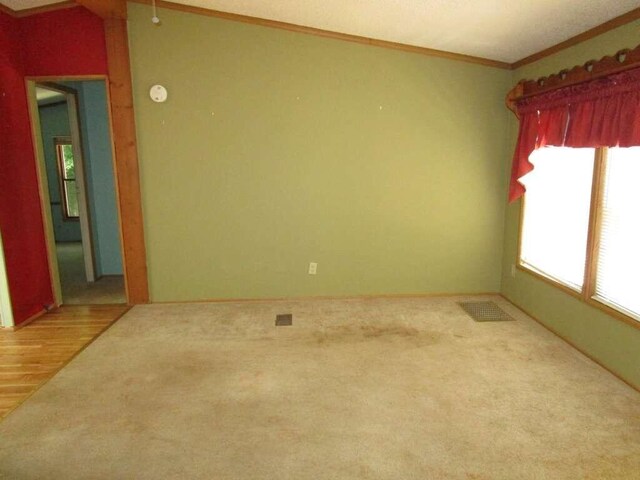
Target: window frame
pixel 58 142
pixel 587 293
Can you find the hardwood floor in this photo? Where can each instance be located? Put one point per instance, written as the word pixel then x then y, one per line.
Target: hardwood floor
pixel 33 354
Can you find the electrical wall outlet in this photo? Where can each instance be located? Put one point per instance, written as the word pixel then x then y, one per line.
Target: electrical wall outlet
pixel 313 268
pixel 513 270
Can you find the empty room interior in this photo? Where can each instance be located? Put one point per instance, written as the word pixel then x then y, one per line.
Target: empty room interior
pixel 319 239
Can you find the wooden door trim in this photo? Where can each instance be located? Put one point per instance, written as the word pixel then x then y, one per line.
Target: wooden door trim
pixel 43 189
pixel 123 127
pixel 127 189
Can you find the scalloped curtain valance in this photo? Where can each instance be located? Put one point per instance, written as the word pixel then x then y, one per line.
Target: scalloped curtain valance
pixel 604 112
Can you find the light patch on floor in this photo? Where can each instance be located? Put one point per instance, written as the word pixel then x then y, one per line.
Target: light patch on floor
pixel 354 389
pixel 75 288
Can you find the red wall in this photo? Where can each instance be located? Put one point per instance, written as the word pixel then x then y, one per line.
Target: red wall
pixel 20 217
pixel 62 42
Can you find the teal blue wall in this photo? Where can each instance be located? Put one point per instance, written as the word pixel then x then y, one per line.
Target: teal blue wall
pixel 96 145
pixel 54 122
pixel 97 135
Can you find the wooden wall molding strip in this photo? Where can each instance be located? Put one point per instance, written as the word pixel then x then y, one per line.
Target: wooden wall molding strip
pixel 594 32
pixel 625 59
pixel 126 160
pixel 373 296
pixel 327 33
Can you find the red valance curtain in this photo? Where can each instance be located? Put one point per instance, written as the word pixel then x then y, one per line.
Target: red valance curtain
pixel 604 112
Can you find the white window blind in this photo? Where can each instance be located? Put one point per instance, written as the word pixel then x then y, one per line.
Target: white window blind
pixel 556 213
pixel 618 271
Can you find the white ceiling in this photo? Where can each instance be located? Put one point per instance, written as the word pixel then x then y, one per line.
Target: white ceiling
pixel 506 30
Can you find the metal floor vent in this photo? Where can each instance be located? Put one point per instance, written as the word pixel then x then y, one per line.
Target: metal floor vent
pixel 284 320
pixel 485 312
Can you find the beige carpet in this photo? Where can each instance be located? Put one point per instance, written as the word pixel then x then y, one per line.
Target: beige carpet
pixel 75 288
pixel 356 389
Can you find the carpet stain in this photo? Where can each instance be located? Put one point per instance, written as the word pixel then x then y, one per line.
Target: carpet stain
pixel 185 370
pixel 477 476
pixel 362 333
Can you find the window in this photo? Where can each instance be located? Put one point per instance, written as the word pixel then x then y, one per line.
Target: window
pixel 556 220
pixel 581 224
pixel 67 171
pixel 618 266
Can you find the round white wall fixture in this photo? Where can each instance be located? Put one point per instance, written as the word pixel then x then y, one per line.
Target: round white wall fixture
pixel 158 93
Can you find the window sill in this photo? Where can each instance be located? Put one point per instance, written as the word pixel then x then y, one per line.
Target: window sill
pixel 614 312
pixel 551 281
pixel 593 302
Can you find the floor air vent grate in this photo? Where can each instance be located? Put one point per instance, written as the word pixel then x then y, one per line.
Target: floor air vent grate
pixel 485 312
pixel 284 320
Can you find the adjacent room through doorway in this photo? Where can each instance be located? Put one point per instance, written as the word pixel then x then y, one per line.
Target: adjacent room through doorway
pixel 76 148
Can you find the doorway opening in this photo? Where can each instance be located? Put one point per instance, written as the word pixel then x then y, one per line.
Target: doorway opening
pixel 74 149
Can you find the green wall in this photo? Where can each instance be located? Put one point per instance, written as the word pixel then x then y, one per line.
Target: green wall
pixel 610 341
pixel 276 149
